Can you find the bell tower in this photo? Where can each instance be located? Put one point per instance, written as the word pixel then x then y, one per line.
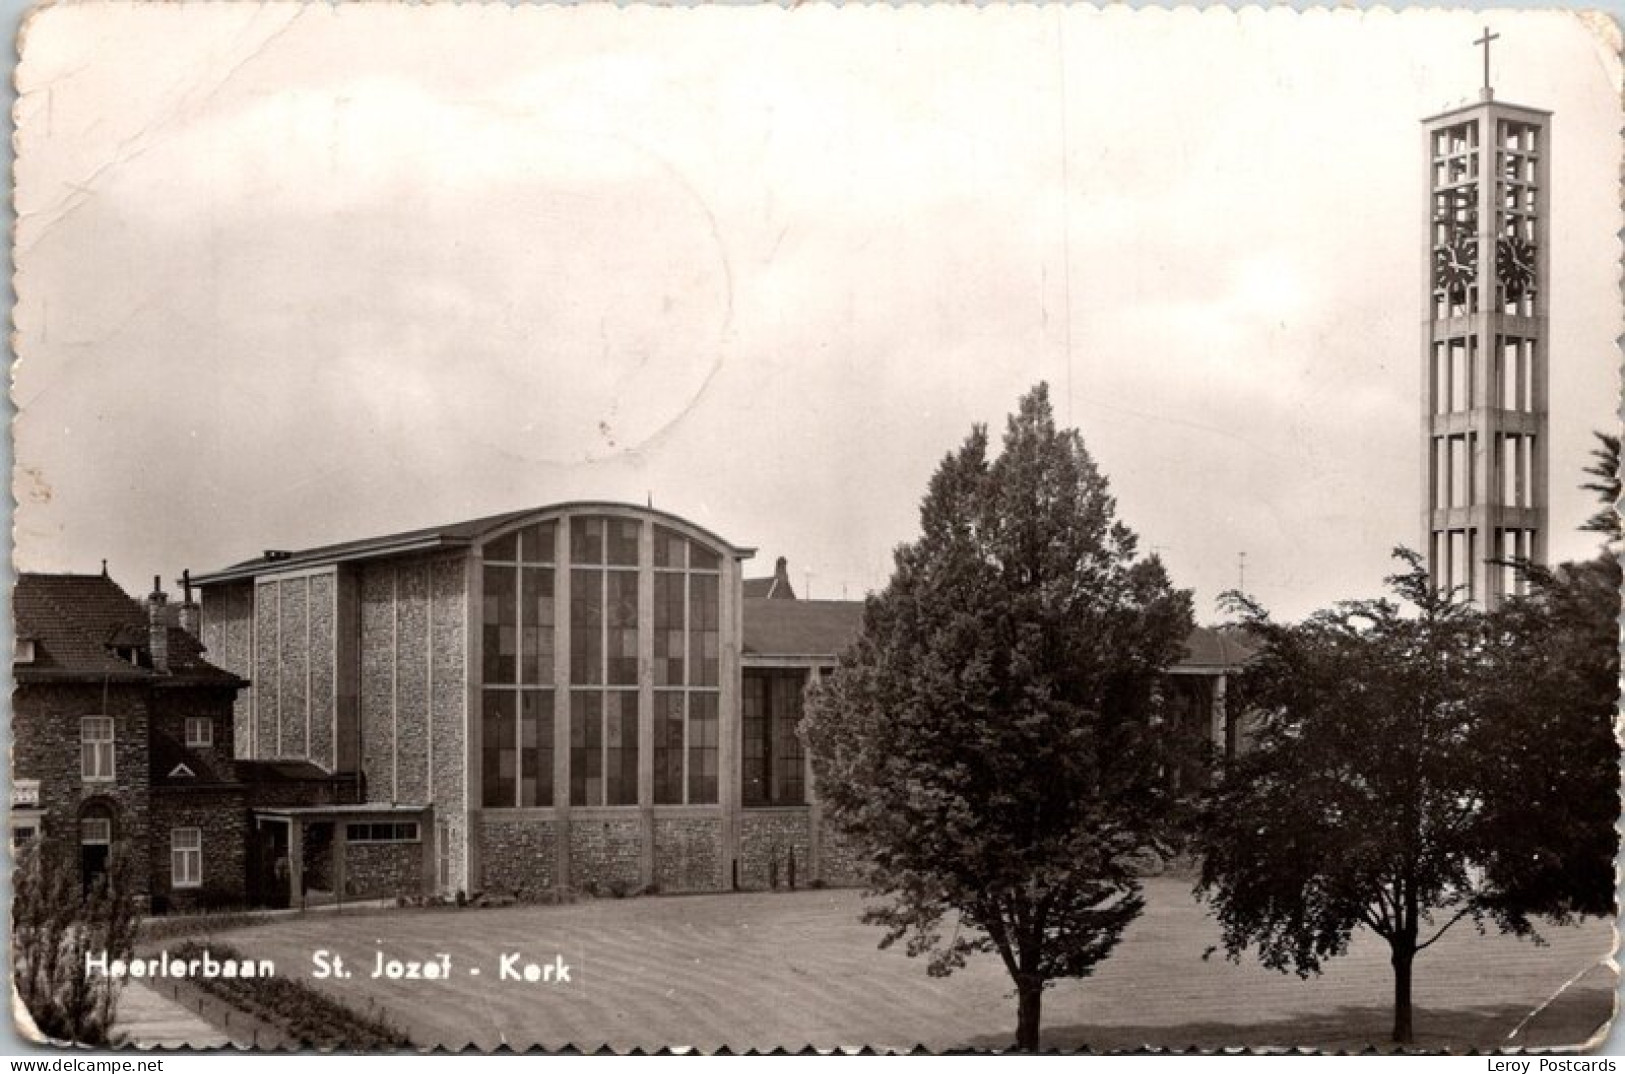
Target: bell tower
pixel 1484 361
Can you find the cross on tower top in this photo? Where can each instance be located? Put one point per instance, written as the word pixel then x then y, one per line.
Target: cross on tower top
pixel 1487 93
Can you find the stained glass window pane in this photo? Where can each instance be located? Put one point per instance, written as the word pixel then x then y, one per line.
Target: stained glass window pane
pixel 536 654
pixel 536 746
pixel 500 749
pixel 536 542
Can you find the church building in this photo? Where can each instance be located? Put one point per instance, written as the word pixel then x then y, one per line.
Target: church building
pixel 588 696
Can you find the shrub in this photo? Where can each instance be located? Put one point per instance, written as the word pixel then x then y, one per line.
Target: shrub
pixel 56 923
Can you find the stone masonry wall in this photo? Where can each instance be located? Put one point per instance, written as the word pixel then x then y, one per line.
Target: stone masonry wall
pixel 518 856
pixel 45 746
pixel 838 864
pixel 222 817
pixel 322 672
pixel 383 870
pixel 377 680
pixel 265 675
pixel 292 646
pixel 228 640
pixel 412 681
pixel 767 837
pixel 602 852
pixel 448 697
pixel 688 854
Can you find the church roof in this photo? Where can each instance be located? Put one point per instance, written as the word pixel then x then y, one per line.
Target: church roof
pixel 776 627
pixel 803 628
pixel 77 623
pixel 451 535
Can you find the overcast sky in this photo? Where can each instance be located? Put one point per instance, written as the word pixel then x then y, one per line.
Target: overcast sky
pixel 298 274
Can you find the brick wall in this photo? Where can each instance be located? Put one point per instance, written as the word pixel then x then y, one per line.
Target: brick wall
pixel 603 852
pixel 767 836
pixel 45 747
pixel 222 817
pixel 519 856
pixel 688 854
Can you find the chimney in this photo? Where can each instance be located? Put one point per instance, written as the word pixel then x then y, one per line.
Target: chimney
pixel 158 627
pixel 191 614
pixel 781 580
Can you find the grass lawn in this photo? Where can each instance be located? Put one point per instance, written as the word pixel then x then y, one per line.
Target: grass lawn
pixel 788 970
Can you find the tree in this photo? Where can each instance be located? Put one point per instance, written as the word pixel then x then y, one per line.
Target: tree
pixel 1605 482
pixel 988 742
pixel 56 922
pixel 1413 768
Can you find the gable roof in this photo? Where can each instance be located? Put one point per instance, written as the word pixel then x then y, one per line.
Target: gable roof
pixel 451 535
pixel 776 627
pixel 803 628
pixel 1216 649
pixel 77 620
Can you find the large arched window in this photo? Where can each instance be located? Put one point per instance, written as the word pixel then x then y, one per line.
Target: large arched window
pixel 585 619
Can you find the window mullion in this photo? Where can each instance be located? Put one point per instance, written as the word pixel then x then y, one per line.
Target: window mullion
pixel 603 674
pixel 517 673
pixel 688 673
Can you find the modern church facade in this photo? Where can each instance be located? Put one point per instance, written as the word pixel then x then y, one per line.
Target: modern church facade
pixel 584 696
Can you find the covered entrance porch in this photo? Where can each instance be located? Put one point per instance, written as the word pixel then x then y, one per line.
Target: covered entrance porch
pixel 319 855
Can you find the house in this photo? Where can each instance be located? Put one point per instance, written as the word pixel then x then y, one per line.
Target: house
pixel 124 736
pixel 584 695
pixel 121 736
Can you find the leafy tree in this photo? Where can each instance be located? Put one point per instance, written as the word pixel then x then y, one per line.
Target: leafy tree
pixel 1358 802
pixel 1550 810
pixel 1416 767
pixel 56 922
pixel 988 743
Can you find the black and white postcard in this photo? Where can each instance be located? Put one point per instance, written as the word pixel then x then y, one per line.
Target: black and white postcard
pixel 749 527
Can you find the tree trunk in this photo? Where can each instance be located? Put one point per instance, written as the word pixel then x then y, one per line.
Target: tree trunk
pixel 1029 1004
pixel 1403 956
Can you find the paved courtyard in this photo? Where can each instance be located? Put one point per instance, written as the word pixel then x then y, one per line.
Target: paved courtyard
pixel 765 970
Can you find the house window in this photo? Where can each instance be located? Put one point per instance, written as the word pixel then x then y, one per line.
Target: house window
pixel 399 831
pixel 687 614
pixel 774 766
pixel 96 831
pixel 186 858
pixel 96 747
pixel 23 833
pixel 22 651
pixel 518 668
pixel 199 731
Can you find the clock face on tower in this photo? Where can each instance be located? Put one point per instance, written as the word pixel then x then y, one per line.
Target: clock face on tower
pixel 1455 264
pixel 1515 265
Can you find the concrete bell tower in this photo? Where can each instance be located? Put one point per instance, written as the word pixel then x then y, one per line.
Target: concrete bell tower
pixel 1484 352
